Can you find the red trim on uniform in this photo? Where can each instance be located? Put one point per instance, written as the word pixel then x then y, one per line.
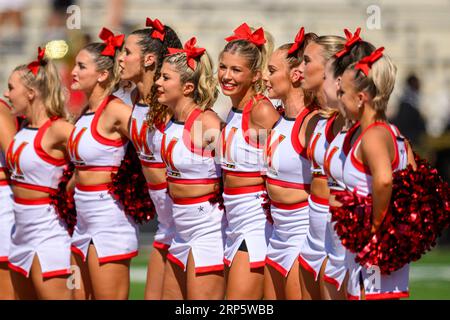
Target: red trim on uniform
pixel 329 128
pixel 154 165
pixel 38 145
pixel 4 259
pixel 353 298
pixel 32 187
pixel 388 295
pixel 32 202
pixel 118 257
pixel 277 267
pixel 96 168
pixel 17 269
pixel 57 273
pixel 287 184
pixel 189 144
pixel 78 252
pixel 348 138
pixel 306 266
pixel 226 262
pixel 332 281
pixel 160 245
pixel 188 201
pixel 157 186
pixel 175 260
pixel 257 265
pixel 320 200
pixel 99 138
pixel 4 183
pixel 193 181
pixel 301 150
pixel 244 190
pixel 254 174
pixel 93 188
pixel 218 267
pixel 246 118
pixel 293 206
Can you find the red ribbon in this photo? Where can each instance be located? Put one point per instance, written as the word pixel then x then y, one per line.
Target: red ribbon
pixel 299 38
pixel 112 42
pixel 243 32
pixel 351 41
pixel 34 66
pixel 190 50
pixel 158 28
pixel 366 63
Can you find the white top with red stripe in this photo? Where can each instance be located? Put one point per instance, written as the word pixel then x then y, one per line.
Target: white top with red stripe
pixel 320 140
pixel 285 157
pixel 30 166
pixel 185 162
pixel 146 142
pixel 335 158
pixel 357 175
pixel 89 150
pixel 240 155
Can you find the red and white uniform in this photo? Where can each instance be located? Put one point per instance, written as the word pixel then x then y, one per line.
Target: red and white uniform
pixel 289 167
pixel 357 176
pixel 242 157
pixel 199 224
pixel 312 253
pixel 100 218
pixel 336 267
pixel 148 146
pixel 38 229
pixel 6 207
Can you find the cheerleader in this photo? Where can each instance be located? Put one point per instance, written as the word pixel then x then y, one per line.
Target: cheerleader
pixel 241 64
pixel 105 238
pixel 288 169
pixel 141 62
pixel 365 89
pixel 195 261
pixel 313 252
pixel 8 128
pixel 39 254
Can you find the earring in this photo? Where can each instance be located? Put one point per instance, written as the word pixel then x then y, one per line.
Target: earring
pixel 360 105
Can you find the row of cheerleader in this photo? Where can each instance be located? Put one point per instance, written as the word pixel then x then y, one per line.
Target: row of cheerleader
pixel 318 198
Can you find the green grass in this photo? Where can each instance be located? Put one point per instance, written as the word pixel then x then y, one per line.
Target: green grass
pixel 423 289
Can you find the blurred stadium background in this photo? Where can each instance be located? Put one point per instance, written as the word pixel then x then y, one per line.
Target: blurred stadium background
pixel 416 34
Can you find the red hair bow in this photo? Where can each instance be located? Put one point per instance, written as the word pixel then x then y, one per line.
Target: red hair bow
pixel 112 42
pixel 351 41
pixel 366 63
pixel 158 28
pixel 243 32
pixel 299 38
pixel 34 66
pixel 190 50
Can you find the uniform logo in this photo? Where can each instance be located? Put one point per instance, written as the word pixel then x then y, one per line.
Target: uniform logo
pixel 167 156
pixel 13 160
pixel 327 163
pixel 72 146
pixel 312 149
pixel 271 148
pixel 140 140
pixel 225 150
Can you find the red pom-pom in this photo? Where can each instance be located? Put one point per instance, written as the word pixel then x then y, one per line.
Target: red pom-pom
pixel 266 207
pixel 129 187
pixel 63 200
pixel 418 213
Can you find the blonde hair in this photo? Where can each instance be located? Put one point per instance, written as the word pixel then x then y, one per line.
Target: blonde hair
pixel 47 83
pixel 257 57
pixel 205 84
pixel 106 63
pixel 330 45
pixel 379 83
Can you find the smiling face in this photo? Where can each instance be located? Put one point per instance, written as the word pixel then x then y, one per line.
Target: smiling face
pixel 84 75
pixel 349 95
pixel 18 94
pixel 130 60
pixel 313 67
pixel 278 76
pixel 170 89
pixel 235 77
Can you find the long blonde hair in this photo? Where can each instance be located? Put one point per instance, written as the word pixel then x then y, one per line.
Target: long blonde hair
pixel 47 82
